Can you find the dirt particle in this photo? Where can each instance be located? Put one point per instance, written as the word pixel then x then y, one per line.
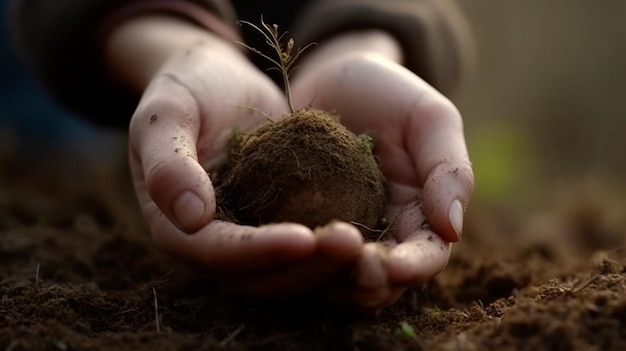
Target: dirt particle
pixel 153 118
pixel 424 225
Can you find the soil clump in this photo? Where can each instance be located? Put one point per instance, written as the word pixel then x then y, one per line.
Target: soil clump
pixel 305 168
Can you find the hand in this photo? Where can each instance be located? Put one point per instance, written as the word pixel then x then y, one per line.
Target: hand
pixel 195 88
pixel 419 139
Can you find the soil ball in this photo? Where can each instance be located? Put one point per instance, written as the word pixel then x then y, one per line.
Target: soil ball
pixel 305 168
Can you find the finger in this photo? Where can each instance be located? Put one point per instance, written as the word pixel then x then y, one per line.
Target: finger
pixel 368 285
pixel 225 246
pixel 442 162
pixel 423 143
pixel 377 298
pixel 420 254
pixel 339 240
pixel 338 244
pixel 365 285
pixel 446 194
pixel 163 135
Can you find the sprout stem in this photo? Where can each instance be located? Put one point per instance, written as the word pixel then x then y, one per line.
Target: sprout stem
pixel 285 61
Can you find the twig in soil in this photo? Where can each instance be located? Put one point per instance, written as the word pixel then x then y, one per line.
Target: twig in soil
pixel 12 346
pixel 126 311
pixel 37 275
pixel 585 284
pixel 156 311
pixel 232 336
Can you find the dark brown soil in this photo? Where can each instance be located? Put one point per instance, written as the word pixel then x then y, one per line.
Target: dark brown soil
pixel 79 272
pixel 305 168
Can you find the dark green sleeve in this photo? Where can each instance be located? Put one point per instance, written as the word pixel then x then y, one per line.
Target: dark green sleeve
pixel 60 41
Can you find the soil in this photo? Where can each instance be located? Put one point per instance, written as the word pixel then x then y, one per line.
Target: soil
pixel 305 168
pixel 79 272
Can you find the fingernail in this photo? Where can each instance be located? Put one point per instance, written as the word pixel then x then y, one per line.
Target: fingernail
pixel 188 210
pixel 456 217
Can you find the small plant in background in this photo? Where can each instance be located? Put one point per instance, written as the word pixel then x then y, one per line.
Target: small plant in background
pixel 405 330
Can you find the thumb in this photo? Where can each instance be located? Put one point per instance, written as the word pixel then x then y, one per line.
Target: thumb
pixel 443 162
pixel 446 193
pixel 163 134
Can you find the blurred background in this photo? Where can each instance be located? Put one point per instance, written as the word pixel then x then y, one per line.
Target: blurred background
pixel 31 121
pixel 544 109
pixel 546 106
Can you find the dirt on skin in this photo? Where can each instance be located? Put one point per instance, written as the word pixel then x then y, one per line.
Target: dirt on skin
pixel 305 168
pixel 78 271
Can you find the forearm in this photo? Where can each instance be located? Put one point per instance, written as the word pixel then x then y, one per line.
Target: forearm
pixel 62 43
pixel 136 49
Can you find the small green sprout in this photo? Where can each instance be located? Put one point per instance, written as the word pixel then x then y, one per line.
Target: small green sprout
pixel 405 330
pixel 436 312
pixel 366 143
pixel 285 62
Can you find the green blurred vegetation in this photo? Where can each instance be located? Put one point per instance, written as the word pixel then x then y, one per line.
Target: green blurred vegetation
pixel 546 103
pixel 504 159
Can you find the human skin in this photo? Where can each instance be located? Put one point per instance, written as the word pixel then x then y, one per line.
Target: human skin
pixel 419 139
pixel 193 87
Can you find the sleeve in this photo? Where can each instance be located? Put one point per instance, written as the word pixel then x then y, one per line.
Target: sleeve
pixel 436 39
pixel 60 41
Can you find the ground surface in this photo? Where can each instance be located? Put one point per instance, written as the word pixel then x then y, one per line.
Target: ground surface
pixel 78 272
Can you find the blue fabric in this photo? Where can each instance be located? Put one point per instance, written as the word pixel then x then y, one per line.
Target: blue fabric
pixel 29 115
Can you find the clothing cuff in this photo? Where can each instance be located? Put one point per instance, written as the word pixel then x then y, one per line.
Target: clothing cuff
pixel 188 10
pixel 435 38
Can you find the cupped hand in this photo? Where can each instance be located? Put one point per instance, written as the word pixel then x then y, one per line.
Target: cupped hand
pixel 198 97
pixel 418 135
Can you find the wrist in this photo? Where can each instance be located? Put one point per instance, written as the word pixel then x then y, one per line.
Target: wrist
pixel 362 42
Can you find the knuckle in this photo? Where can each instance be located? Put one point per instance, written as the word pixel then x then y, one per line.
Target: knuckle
pixel 435 111
pixel 167 98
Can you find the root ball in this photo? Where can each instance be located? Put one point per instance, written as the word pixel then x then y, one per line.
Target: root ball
pixel 305 168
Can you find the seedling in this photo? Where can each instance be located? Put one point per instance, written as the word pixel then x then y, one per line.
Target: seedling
pixel 305 167
pixel 285 62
